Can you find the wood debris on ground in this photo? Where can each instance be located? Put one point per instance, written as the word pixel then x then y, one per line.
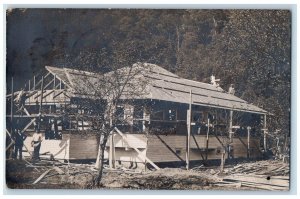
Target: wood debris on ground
pixel 258 175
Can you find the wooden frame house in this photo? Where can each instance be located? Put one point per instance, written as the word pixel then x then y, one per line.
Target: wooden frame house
pixel 175 120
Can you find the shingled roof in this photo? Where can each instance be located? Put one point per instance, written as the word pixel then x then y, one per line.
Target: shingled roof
pixel 167 86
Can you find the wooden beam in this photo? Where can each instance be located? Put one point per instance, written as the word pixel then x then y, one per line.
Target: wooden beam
pixel 35 97
pixel 207 139
pixel 42 91
pixel 34 82
pixel 54 83
pixel 218 139
pixel 43 79
pixel 45 87
pixel 12 143
pixel 265 132
pixel 27 113
pixel 197 145
pixel 230 125
pixel 57 94
pixel 48 93
pixel 248 141
pixel 23 116
pixel 189 118
pixel 28 125
pixel 136 149
pixel 42 176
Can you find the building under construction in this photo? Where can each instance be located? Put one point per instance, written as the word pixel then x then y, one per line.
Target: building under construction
pixel 176 120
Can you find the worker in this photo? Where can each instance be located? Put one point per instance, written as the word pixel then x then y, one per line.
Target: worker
pixel 36 144
pixel 20 100
pixel 53 129
pixel 231 89
pixel 19 138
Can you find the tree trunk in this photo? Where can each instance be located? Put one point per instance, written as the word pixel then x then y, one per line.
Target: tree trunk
pixel 100 159
pixel 100 164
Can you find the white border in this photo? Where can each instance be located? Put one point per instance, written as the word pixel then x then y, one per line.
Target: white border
pixel 254 4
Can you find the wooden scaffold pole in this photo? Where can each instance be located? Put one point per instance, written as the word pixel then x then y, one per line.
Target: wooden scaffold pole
pixel 12 105
pixel 265 132
pixel 230 125
pixel 248 141
pixel 41 102
pixel 207 139
pixel 189 118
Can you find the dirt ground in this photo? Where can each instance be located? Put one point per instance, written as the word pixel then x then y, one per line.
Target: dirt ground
pixel 22 175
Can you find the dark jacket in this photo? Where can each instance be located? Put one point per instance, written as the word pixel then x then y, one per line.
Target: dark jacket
pixel 19 138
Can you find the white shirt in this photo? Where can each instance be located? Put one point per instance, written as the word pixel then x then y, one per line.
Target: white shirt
pixel 37 137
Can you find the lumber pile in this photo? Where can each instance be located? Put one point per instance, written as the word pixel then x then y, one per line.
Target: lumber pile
pixel 260 175
pixel 272 168
pixel 257 182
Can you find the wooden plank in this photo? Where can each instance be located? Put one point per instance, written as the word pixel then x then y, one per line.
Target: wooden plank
pixel 31 165
pixel 12 142
pixel 28 125
pixel 158 152
pixel 42 176
pixel 260 180
pixel 58 170
pixel 137 150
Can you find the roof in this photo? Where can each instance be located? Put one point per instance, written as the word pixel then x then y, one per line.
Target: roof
pixel 164 85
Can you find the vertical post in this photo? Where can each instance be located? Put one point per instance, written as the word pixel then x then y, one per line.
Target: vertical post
pixel 111 150
pixel 265 132
pixel 207 137
pixel 42 91
pixel 189 118
pixel 12 105
pixel 41 102
pixel 230 125
pixel 34 82
pixel 28 85
pixel 54 83
pixel 60 84
pixel 248 142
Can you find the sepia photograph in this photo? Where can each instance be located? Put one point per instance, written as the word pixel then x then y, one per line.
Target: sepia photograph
pixel 148 99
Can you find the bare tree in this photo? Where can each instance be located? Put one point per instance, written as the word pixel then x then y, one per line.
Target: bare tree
pixel 100 94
